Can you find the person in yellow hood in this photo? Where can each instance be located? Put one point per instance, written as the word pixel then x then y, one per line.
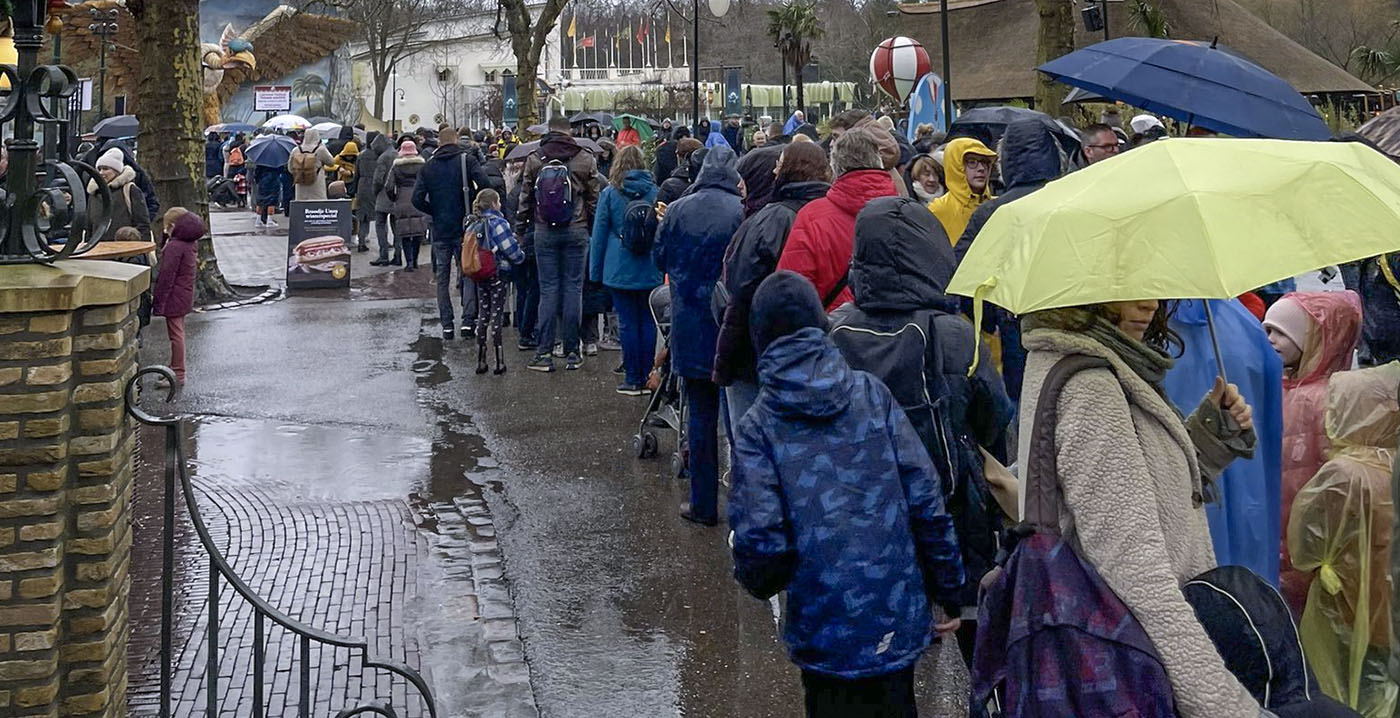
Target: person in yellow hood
pixel 967 168
pixel 1340 529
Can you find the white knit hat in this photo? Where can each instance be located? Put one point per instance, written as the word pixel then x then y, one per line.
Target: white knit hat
pixel 112 159
pixel 1290 319
pixel 1142 123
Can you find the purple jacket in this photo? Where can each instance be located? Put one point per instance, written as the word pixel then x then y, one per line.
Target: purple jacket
pixel 174 292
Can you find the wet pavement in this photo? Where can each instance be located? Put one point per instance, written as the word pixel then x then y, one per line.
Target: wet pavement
pixel 494 531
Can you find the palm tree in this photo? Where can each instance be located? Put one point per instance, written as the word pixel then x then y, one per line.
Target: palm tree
pixel 308 86
pixel 1149 19
pixel 793 26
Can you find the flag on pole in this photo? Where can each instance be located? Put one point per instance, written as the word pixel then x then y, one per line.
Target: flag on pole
pixel 573 26
pixel 642 33
pixel 668 31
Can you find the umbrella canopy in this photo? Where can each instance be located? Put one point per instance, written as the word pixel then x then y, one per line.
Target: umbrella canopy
pixel 1195 82
pixel 989 124
pixel 1078 94
pixel 230 127
pixel 270 150
pixel 1204 218
pixel 1384 130
pixel 287 122
pixel 586 118
pixel 117 127
pixel 321 120
pixel 641 124
pixel 327 129
pixel 537 129
pixel 521 151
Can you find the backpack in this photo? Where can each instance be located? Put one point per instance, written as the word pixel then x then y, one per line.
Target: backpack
pixel 303 166
pixel 1048 614
pixel 639 226
pixel 554 194
pixel 478 261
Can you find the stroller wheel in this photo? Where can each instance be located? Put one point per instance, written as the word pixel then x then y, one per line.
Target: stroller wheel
pixel 645 444
pixel 678 464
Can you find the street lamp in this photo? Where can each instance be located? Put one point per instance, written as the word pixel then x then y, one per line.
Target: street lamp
pixel 104 26
pixel 718 8
pixel 1095 15
pixel 400 98
pixel 394 110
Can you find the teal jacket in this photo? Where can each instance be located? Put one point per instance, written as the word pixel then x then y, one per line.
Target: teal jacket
pixel 608 261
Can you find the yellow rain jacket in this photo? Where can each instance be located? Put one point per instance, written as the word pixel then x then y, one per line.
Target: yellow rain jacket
pixel 1340 530
pixel 955 208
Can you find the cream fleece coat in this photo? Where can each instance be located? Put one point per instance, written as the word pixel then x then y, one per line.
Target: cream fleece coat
pixel 1128 469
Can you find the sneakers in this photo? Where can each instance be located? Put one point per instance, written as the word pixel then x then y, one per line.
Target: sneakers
pixel 527 344
pixel 590 349
pixel 447 333
pixel 559 350
pixel 574 361
pixel 609 344
pixel 379 263
pixel 542 363
pixel 468 331
pixel 626 389
pixel 620 369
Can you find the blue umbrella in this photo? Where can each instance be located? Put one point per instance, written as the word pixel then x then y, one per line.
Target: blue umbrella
pixel 1195 82
pixel 270 150
pixel 230 127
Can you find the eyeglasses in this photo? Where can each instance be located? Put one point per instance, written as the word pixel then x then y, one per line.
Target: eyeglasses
pixel 982 162
pixel 1104 148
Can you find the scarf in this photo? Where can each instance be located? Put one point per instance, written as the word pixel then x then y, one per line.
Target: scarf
pixel 1148 363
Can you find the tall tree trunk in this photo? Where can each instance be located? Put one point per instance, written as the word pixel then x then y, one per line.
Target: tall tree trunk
pixel 380 80
pixel 171 91
pixel 1056 39
pixel 525 82
pixel 801 103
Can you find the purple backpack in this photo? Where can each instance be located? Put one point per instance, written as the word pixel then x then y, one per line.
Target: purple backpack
pixel 1052 638
pixel 554 194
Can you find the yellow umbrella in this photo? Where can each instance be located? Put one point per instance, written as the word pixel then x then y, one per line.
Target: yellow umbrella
pixel 1185 219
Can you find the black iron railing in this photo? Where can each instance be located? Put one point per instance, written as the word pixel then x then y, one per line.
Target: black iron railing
pixel 175 475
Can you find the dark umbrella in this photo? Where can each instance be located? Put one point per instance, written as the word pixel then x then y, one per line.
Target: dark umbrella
pixel 270 150
pixel 989 124
pixel 117 127
pixel 522 151
pixel 1384 130
pixel 537 129
pixel 230 127
pixel 587 118
pixel 1198 83
pixel 1077 95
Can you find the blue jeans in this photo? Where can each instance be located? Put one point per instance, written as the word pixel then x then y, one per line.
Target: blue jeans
pixel 636 333
pixel 445 258
pixel 702 434
pixel 559 255
pixel 527 297
pixel 738 397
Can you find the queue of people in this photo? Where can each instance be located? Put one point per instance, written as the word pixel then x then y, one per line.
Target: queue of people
pixel 868 429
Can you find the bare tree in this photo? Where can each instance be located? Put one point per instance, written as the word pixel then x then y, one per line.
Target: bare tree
pixel 391 30
pixel 528 38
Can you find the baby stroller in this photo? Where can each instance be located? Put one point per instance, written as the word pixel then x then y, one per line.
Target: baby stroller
pixel 666 408
pixel 222 191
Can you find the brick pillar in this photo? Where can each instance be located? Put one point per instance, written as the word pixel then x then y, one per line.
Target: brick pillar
pixel 67 347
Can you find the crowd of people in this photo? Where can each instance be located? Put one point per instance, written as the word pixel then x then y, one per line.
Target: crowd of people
pixel 820 353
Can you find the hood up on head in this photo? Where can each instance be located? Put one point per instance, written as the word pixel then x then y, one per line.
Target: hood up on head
pixel 955 166
pixel 188 228
pixel 380 144
pixel 718 170
pixel 1029 154
pixel 1362 408
pixel 902 259
pixel 804 375
pixel 310 140
pixel 1332 337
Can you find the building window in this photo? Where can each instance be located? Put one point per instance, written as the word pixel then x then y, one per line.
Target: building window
pixel 119 105
pixel 491 76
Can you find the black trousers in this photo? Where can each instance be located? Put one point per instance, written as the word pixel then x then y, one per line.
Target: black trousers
pixel 887 696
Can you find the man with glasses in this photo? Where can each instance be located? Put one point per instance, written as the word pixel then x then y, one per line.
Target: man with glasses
pixel 967 170
pixel 1100 143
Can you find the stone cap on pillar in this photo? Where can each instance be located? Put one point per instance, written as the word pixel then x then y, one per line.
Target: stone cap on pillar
pixel 69 284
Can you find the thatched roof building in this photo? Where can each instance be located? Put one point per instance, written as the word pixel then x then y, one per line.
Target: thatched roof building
pixel 994 43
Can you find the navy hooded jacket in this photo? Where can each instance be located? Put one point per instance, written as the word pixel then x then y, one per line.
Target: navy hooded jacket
pixel 835 501
pixel 905 330
pixel 439 194
pixel 689 248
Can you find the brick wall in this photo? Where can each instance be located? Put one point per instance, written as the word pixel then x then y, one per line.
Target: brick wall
pixel 65 492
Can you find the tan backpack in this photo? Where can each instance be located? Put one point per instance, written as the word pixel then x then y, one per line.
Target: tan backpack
pixel 303 167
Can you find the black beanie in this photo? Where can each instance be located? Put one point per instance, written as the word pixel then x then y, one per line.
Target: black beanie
pixel 784 303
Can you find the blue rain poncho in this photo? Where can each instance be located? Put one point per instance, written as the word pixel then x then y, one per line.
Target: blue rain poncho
pixel 1244 521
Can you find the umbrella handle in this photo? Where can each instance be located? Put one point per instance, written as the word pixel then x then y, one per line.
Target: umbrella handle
pixel 1214 341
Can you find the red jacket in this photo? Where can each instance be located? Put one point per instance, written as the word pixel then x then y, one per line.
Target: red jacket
pixel 819 246
pixel 173 295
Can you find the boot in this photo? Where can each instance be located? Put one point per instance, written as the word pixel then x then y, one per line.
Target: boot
pixel 481 367
pixel 500 362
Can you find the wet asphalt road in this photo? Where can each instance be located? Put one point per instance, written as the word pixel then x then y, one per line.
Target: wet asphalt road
pixel 623 608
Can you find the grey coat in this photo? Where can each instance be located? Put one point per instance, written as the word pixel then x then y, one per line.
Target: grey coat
pixel 365 168
pixel 382 167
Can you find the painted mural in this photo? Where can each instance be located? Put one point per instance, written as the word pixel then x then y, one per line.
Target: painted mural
pixel 305 52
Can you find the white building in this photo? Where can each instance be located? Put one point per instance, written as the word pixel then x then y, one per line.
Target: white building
pixel 446 81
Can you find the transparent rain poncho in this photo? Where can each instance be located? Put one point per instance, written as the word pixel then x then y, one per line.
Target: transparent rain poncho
pixel 1339 532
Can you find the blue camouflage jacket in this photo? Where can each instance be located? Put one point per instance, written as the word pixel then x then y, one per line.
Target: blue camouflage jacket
pixel 834 500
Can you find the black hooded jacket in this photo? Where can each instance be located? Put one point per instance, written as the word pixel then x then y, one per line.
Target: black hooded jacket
pixel 1030 158
pixel 666 155
pixel 904 329
pixel 751 256
pixel 679 181
pixel 756 168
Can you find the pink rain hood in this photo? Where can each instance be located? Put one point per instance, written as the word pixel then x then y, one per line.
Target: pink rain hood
pixel 1332 337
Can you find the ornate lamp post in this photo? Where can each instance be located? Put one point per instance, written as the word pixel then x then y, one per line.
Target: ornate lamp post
pixel 42 195
pixel 104 26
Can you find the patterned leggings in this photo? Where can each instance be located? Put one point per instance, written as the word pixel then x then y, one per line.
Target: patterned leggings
pixel 491 306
